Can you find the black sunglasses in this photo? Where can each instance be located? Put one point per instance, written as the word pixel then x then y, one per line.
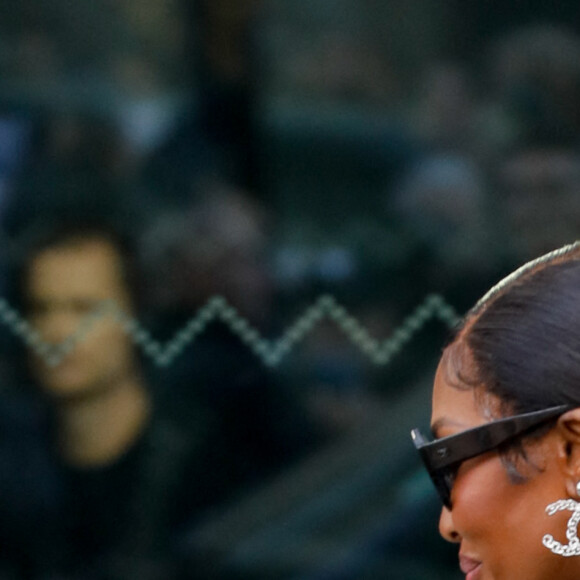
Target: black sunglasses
pixel 443 457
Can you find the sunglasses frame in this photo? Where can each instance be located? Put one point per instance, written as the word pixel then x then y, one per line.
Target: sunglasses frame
pixel 443 456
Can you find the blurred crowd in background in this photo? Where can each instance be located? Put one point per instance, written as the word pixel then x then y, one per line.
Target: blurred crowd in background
pixel 270 151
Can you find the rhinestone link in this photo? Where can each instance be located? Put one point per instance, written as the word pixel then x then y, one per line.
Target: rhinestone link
pixel 573 546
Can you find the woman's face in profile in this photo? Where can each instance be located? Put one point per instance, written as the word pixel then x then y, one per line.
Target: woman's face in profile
pixel 498 521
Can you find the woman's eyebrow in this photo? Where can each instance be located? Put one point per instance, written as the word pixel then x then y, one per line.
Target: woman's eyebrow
pixel 444 422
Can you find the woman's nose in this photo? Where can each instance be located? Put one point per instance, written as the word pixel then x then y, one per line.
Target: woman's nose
pixel 446 526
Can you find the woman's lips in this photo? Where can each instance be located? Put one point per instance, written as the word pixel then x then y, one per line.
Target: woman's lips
pixel 469 567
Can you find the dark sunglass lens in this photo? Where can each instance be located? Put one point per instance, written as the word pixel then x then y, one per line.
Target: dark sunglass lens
pixel 444 481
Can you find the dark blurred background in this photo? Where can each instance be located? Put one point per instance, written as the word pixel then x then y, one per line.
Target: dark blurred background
pixel 271 151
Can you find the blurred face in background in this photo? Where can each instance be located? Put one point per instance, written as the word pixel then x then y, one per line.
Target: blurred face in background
pixel 64 284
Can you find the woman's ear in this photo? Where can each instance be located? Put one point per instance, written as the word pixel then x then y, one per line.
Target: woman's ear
pixel 569 449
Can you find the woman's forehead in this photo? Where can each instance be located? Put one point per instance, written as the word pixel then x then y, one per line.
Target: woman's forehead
pixel 458 388
pixel 458 367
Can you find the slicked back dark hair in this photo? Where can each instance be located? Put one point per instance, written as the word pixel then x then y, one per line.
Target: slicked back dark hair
pixel 524 336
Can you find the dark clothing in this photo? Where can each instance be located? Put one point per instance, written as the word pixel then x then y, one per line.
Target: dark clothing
pixel 28 487
pixel 122 521
pixel 134 518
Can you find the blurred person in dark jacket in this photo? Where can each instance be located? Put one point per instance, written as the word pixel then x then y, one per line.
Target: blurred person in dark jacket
pixel 129 472
pixel 139 458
